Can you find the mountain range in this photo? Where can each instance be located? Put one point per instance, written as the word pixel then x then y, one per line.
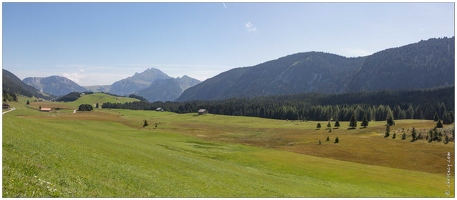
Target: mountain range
pixel 12 84
pixel 425 64
pixel 152 84
pixel 167 89
pixel 54 85
pixel 137 82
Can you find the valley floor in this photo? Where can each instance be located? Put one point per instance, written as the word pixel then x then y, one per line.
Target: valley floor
pixel 108 153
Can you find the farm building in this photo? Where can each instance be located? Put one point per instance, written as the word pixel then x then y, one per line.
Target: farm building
pixel 5 106
pixel 202 111
pixel 45 109
pixel 159 109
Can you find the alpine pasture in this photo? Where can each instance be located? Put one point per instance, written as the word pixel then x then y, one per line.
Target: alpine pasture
pixel 108 153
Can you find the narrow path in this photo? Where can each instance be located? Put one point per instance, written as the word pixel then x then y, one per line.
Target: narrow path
pixel 9 110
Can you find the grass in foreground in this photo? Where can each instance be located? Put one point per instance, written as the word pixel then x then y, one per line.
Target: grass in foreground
pixel 108 154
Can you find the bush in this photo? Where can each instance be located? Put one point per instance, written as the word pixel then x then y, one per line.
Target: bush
pixel 85 107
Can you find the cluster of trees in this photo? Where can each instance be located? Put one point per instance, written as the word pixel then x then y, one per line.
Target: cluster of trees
pixel 138 97
pixel 8 95
pixel 436 134
pixel 85 107
pixel 72 96
pixel 375 106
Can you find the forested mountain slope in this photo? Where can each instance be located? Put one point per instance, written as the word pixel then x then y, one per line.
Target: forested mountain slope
pixel 11 84
pixel 426 64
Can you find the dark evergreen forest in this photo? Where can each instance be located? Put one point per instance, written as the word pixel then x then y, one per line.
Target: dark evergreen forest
pixel 403 104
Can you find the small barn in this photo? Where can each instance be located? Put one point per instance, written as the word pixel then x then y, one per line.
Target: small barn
pixel 45 109
pixel 202 111
pixel 159 109
pixel 5 106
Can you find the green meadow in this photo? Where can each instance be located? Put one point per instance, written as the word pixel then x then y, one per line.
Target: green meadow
pixel 108 153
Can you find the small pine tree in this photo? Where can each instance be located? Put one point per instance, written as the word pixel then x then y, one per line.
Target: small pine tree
pixel 337 140
pixel 387 134
pixel 394 135
pixel 39 107
pixel 439 124
pixel 403 137
pixel 329 125
pixel 320 142
pixel 28 102
pixel 145 123
pixel 318 126
pixel 328 138
pixel 337 124
pixel 97 105
pixel 330 130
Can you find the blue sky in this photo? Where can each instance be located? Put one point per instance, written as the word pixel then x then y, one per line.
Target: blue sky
pixel 100 43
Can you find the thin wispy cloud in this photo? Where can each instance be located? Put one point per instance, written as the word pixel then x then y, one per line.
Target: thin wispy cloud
pixel 249 27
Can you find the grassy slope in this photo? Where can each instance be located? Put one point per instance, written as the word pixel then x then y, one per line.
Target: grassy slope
pixel 108 154
pixel 86 99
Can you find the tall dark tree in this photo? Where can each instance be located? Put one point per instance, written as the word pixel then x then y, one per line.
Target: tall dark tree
pixel 318 126
pixel 364 121
pixel 28 102
pixel 97 105
pixel 337 124
pixel 387 133
pixel 337 140
pixel 390 118
pixel 329 125
pixel 414 135
pixel 353 122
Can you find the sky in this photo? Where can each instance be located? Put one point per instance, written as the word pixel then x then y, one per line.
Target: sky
pixel 100 43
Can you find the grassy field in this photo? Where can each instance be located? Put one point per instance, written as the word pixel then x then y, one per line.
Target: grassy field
pixel 108 153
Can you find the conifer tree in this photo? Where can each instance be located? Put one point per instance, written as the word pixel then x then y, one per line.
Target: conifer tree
pixel 364 121
pixel 328 138
pixel 403 137
pixel 439 124
pixel 414 135
pixel 145 123
pixel 337 140
pixel 390 118
pixel 337 124
pixel 329 125
pixel 394 135
pixel 318 126
pixel 353 122
pixel 387 134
